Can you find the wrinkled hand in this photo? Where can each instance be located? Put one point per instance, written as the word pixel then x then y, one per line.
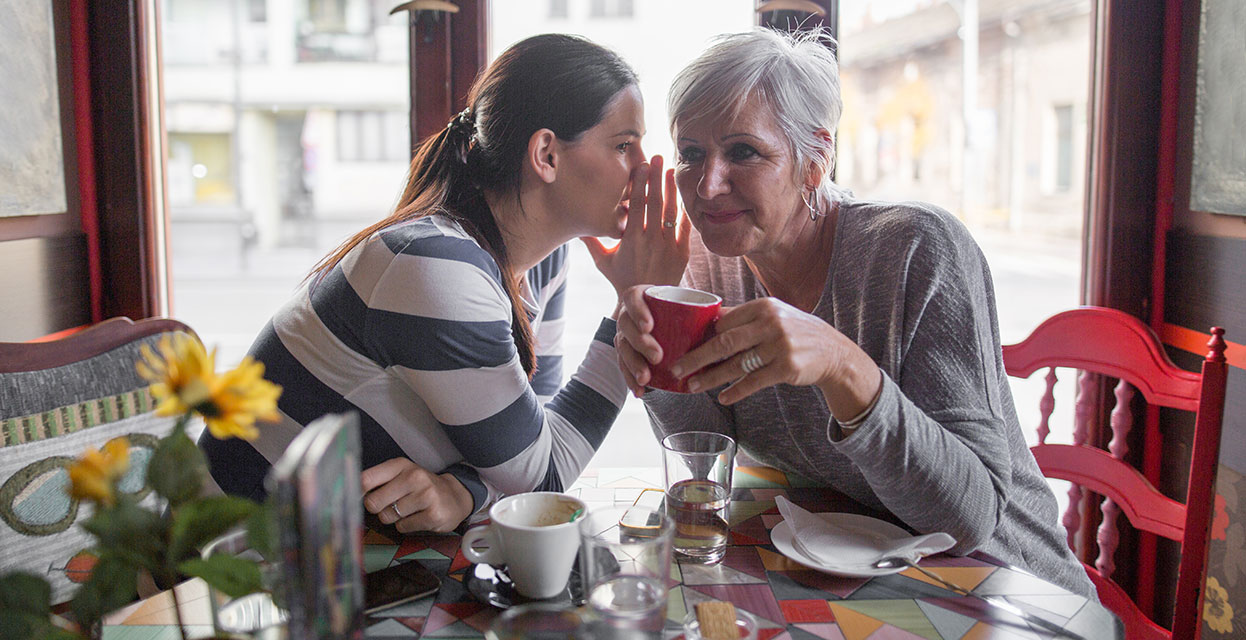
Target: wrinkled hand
pixel 425 501
pixel 794 347
pixel 654 248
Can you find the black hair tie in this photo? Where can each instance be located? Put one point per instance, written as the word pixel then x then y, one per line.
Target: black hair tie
pixel 464 124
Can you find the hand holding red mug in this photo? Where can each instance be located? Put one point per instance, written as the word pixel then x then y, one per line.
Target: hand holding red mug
pixel 758 344
pixel 657 326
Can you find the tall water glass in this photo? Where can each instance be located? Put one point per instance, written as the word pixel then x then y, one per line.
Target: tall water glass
pixel 698 467
pixel 625 563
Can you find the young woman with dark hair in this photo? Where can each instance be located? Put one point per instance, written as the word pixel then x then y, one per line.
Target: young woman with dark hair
pixel 440 324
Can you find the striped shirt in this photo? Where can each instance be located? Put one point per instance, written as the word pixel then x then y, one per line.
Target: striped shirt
pixel 412 329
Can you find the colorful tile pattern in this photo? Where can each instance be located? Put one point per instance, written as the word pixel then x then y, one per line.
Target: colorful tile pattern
pixel 791 602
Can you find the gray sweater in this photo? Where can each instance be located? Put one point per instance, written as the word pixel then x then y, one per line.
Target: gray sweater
pixel 942 450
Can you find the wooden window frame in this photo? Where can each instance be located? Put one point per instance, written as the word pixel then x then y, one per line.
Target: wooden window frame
pixel 1127 171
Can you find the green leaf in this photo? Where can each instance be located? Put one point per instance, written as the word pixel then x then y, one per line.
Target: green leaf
pixel 198 522
pixel 20 625
pixel 25 593
pixel 56 633
pixel 262 531
pixel 131 532
pixel 27 626
pixel 111 586
pixel 177 469
pixel 229 574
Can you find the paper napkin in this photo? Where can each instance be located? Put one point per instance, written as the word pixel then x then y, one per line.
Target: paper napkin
pixel 831 544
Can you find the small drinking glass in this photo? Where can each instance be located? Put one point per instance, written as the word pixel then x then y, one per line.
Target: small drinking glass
pixel 252 616
pixel 698 467
pixel 538 621
pixel 625 561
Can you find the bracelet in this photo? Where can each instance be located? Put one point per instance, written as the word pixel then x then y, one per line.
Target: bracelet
pixel 865 413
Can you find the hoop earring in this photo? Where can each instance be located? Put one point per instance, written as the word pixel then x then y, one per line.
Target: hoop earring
pixel 814 214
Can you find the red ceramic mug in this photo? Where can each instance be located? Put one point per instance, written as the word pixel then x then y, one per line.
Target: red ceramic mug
pixel 683 318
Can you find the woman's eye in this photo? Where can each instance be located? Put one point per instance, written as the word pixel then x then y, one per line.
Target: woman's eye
pixel 690 154
pixel 622 148
pixel 742 152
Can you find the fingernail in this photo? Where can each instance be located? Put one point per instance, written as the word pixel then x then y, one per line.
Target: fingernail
pixel 694 386
pixel 677 371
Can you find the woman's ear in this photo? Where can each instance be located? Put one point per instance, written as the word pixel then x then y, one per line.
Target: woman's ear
pixel 823 163
pixel 542 156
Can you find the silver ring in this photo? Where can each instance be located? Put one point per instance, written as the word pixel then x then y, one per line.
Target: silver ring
pixel 751 361
pixel 668 224
pixel 394 506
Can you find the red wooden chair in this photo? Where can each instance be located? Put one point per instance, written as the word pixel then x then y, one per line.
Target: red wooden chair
pixel 1115 344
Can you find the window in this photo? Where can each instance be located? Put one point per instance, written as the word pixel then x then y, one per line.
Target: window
pixel 1007 162
pixel 610 8
pixel 1064 147
pixel 372 136
pixel 327 15
pixel 200 169
pixel 349 30
pixel 257 10
pixel 261 181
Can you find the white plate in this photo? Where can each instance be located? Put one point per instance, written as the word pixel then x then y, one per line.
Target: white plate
pixel 869 527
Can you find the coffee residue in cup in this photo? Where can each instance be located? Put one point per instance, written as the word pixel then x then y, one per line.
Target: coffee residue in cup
pixel 558 514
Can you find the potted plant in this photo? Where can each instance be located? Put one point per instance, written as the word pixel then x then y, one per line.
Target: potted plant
pixel 132 539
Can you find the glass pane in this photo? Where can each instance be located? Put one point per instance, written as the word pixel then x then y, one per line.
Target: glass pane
pixel 1008 160
pixel 658 38
pixel 287 129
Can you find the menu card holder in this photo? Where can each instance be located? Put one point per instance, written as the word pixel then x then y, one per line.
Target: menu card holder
pixel 315 487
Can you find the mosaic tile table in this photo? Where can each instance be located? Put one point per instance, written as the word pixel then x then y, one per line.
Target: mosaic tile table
pixel 790 601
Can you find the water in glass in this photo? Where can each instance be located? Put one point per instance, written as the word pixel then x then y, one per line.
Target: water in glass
pixel 699 509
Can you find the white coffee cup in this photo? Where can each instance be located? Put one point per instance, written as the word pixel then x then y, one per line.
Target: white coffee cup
pixel 534 535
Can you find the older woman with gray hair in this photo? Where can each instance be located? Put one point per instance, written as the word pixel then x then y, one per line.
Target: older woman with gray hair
pixel 859 345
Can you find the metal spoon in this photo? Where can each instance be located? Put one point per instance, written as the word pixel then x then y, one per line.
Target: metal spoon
pixel 899 561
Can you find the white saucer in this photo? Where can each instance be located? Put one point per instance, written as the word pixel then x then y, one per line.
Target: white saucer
pixel 869 527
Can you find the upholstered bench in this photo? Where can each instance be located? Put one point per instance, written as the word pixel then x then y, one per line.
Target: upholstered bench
pixel 56 400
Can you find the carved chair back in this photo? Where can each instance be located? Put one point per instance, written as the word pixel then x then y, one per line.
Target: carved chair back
pixel 1111 343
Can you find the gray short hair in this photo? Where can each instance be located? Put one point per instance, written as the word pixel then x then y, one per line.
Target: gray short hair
pixel 795 74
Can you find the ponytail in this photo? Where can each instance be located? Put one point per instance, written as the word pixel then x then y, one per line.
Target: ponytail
pixel 551 81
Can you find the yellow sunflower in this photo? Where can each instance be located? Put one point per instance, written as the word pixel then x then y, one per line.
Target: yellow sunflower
pixel 95 474
pixel 181 374
pixel 238 398
pixel 1217 611
pixel 184 380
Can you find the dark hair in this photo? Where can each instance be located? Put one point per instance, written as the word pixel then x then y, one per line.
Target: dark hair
pixel 558 82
